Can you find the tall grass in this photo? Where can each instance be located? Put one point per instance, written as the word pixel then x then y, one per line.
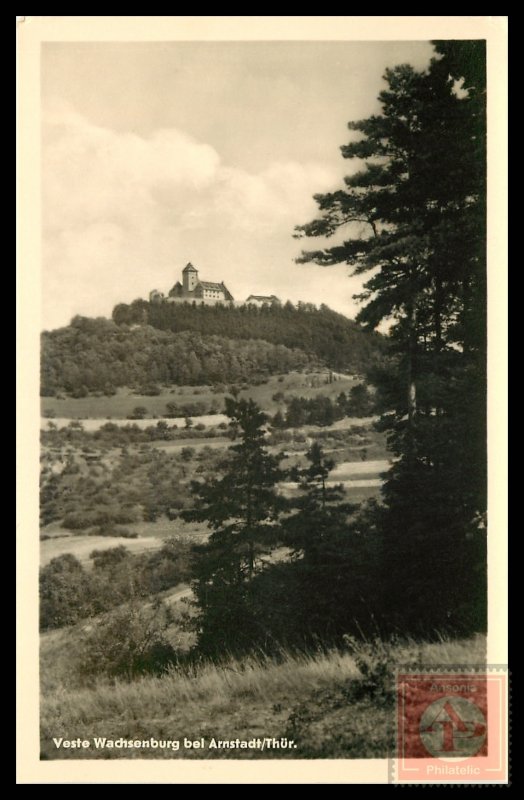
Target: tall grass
pixel 255 678
pixel 249 696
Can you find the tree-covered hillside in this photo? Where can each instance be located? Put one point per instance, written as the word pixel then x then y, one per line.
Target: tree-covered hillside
pixel 98 355
pixel 339 342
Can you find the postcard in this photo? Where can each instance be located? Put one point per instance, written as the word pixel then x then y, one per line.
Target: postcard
pixel 262 273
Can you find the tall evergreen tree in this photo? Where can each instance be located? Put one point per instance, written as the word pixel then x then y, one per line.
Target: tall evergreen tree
pixel 323 591
pixel 241 508
pixel 415 218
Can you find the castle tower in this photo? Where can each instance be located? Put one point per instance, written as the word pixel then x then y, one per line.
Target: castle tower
pixel 189 277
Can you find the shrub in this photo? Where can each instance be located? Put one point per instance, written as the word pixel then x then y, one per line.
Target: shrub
pixel 80 391
pixel 105 519
pixel 78 520
pixel 376 660
pixel 139 412
pixel 110 529
pixel 64 592
pixel 104 559
pixel 130 641
pixel 172 410
pixel 150 390
pixel 361 401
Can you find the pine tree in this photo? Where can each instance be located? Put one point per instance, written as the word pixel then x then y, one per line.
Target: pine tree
pixel 320 513
pixel 242 510
pixel 415 218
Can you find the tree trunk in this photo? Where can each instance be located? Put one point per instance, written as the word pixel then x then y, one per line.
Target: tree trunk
pixel 411 353
pixel 251 546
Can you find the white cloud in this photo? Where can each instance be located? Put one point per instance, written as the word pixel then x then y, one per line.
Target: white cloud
pixel 123 213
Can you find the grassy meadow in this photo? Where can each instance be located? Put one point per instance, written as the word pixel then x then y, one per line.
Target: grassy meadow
pixel 335 704
pixel 121 404
pixel 149 536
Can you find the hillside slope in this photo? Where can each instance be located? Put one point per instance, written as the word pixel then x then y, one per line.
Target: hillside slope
pixel 320 702
pixel 99 355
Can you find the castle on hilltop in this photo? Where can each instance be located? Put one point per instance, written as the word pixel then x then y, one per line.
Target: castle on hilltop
pixel 204 292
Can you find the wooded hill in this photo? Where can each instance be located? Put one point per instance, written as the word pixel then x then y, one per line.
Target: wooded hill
pixel 339 342
pixel 165 344
pixel 98 355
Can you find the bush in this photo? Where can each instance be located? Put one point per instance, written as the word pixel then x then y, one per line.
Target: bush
pixel 278 436
pixel 104 559
pixel 110 529
pixel 64 592
pixel 79 391
pixel 130 641
pixel 150 390
pixel 361 401
pixel 139 412
pixel 78 520
pixel 106 520
pixel 377 660
pixel 172 410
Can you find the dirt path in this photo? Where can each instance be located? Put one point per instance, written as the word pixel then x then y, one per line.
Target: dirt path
pixel 82 546
pixel 93 424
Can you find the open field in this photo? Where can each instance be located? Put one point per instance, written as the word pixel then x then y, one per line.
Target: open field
pixel 317 700
pixel 352 475
pixel 349 470
pixel 150 536
pixel 82 546
pixel 125 400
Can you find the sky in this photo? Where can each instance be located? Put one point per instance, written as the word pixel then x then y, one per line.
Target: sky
pixel 156 154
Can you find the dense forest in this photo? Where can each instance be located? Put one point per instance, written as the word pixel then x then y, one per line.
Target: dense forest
pixel 339 342
pixel 99 355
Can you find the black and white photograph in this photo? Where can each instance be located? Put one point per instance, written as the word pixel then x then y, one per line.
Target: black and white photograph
pixel 261 283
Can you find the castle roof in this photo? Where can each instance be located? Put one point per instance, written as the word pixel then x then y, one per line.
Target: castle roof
pixel 262 297
pixel 215 287
pixel 189 268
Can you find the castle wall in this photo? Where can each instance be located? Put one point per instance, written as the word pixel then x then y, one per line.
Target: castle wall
pixel 205 301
